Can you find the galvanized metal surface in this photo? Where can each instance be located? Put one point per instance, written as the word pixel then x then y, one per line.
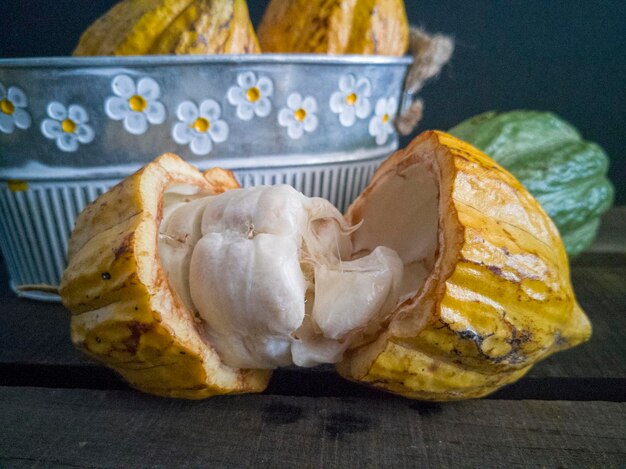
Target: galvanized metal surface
pixel 74 143
pixel 260 141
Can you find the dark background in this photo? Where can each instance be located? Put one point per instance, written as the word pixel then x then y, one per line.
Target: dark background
pixel 566 56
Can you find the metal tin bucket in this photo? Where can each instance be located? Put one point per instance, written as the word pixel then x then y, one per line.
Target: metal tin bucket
pixel 72 127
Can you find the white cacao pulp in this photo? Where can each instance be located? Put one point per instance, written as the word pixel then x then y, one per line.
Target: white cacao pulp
pixel 274 276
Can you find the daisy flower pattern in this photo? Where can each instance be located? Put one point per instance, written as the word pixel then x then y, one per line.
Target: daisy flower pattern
pixel 381 125
pixel 299 115
pixel 12 109
pixel 251 96
pixel 137 105
pixel 68 126
pixel 351 101
pixel 199 127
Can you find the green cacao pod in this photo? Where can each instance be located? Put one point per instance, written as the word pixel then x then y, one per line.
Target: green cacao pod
pixel 566 174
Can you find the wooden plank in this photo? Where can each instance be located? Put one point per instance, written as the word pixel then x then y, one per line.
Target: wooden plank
pixel 601 292
pixel 34 332
pixel 80 428
pixel 38 333
pixel 36 349
pixel 612 234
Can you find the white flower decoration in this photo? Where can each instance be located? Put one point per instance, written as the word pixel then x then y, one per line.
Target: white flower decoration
pixel 12 109
pixel 299 115
pixel 136 105
pixel 67 126
pixel 199 127
pixel 251 96
pixel 351 101
pixel 381 125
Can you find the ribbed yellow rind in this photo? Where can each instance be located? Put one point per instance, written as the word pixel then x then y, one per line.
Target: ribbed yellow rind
pixel 140 27
pixel 499 298
pixel 124 311
pixel 377 27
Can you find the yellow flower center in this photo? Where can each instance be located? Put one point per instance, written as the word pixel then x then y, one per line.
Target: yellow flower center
pixel 201 124
pixel 68 126
pixel 137 103
pixel 253 94
pixel 7 106
pixel 386 118
pixel 300 114
pixel 351 99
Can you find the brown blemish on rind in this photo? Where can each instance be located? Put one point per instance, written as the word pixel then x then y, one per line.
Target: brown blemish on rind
pixel 560 341
pixel 137 329
pixel 125 246
pixel 516 340
pixel 434 366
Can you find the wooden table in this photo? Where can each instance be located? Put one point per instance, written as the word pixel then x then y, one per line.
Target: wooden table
pixel 58 409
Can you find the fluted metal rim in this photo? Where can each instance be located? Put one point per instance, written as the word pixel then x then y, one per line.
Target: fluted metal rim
pixel 222 59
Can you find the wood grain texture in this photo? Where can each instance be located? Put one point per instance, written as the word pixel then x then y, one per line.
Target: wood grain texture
pixel 126 429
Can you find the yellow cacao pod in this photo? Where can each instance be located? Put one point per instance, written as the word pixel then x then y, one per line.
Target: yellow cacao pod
pixel 484 291
pixel 497 295
pixel 124 311
pixel 141 27
pixel 377 27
